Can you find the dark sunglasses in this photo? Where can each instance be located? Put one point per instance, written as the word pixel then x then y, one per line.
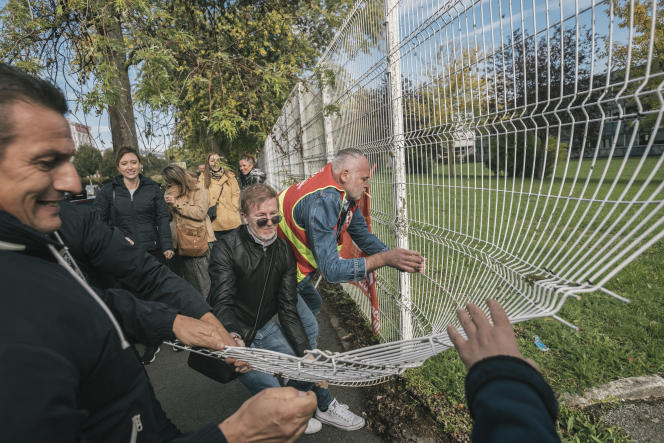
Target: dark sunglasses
pixel 262 222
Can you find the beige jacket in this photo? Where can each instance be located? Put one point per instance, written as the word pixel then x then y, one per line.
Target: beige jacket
pixel 228 209
pixel 191 210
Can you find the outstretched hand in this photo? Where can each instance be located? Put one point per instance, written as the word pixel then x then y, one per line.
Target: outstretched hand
pixel 406 260
pixel 482 339
pixel 402 259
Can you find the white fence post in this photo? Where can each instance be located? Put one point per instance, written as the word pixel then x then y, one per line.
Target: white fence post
pixel 399 149
pixel 288 138
pixel 327 123
pixel 267 162
pixel 303 131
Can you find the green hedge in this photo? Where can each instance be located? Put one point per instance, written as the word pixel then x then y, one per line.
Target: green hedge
pixel 522 155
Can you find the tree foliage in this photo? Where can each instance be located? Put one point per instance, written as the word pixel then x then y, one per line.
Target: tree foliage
pixel 87 160
pixel 632 57
pixel 80 40
pixel 222 68
pixel 108 168
pixel 642 21
pixel 234 67
pixel 523 155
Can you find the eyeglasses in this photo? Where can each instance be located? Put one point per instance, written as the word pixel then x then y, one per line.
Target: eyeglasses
pixel 262 222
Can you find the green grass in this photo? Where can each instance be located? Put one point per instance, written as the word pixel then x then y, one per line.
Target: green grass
pixel 615 339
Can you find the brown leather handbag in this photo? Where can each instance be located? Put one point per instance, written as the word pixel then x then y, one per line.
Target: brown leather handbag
pixel 192 241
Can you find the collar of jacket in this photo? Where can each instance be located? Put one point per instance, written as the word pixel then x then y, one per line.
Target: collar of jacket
pixel 261 242
pixel 16 236
pixel 221 180
pixel 118 180
pixel 246 237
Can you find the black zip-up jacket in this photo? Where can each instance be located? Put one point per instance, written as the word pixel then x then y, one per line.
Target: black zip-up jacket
pixel 65 376
pixel 143 217
pixel 242 272
pixel 510 402
pixel 254 176
pixel 108 261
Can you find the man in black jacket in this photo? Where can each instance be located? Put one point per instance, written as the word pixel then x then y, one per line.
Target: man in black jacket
pixel 108 261
pixel 507 397
pixel 253 280
pixel 64 360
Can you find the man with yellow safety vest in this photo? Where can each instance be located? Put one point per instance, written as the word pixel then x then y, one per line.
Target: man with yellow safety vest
pixel 317 211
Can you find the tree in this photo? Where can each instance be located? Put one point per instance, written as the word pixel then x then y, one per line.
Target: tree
pixel 153 165
pixel 522 155
pixel 86 36
pixel 87 160
pixel 227 88
pixel 222 68
pixel 640 55
pixel 108 168
pixel 643 16
pixel 444 108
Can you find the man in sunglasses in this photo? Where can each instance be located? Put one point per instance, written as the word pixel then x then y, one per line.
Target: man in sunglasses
pixel 254 282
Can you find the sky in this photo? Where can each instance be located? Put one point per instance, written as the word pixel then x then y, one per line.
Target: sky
pixel 490 17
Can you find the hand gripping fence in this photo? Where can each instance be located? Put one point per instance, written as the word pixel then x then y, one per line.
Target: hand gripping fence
pixel 518 145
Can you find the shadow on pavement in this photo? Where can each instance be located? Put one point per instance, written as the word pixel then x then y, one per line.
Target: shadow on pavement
pixel 192 400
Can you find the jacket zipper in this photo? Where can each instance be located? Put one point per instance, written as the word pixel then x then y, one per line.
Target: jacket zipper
pixel 137 426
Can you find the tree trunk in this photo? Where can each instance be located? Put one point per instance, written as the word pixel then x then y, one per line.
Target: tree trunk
pixel 121 113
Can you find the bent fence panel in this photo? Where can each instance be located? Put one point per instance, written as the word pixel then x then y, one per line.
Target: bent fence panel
pixel 518 145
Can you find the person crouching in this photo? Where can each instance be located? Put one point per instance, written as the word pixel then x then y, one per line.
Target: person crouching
pixel 253 277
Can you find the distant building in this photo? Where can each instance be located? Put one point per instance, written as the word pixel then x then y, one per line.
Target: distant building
pixel 81 134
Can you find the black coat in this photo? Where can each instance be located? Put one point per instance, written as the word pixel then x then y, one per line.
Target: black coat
pixel 253 177
pixel 143 217
pixel 109 261
pixel 510 402
pixel 65 376
pixel 238 269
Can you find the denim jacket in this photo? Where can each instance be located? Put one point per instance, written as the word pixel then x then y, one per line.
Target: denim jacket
pixel 318 213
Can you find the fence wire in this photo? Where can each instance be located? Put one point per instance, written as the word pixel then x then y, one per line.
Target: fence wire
pixel 522 139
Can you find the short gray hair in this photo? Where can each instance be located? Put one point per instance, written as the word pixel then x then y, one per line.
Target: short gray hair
pixel 341 157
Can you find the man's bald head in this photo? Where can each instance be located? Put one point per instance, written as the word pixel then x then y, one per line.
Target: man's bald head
pixel 342 159
pixel 350 168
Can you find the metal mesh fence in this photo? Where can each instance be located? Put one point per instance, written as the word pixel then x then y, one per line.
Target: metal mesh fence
pixel 518 145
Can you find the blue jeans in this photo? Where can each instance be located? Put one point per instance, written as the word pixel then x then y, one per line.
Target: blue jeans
pixel 307 291
pixel 272 337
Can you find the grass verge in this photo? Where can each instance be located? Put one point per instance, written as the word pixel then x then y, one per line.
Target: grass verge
pixel 615 340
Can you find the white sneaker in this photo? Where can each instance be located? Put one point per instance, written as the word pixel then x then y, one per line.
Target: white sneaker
pixel 313 426
pixel 340 416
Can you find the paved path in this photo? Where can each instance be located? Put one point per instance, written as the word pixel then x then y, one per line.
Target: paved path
pixel 192 400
